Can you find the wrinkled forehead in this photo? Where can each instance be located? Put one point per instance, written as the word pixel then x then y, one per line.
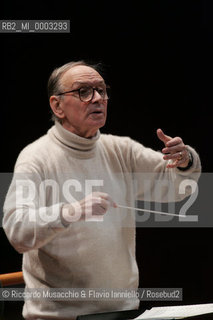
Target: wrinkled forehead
pixel 81 74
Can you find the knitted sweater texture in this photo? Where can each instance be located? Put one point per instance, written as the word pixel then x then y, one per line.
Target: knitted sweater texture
pixel 82 254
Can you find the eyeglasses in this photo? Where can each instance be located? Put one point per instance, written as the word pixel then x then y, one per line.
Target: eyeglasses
pixel 86 93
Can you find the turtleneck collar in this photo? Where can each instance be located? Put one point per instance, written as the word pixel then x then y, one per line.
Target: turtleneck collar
pixel 82 147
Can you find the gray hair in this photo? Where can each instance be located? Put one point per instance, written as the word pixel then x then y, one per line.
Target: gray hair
pixel 54 85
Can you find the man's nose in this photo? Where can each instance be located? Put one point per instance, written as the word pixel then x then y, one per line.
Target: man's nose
pixel 96 96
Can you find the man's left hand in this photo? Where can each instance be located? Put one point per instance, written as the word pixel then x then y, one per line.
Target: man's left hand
pixel 175 150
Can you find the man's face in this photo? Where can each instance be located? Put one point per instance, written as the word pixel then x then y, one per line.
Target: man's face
pixel 82 118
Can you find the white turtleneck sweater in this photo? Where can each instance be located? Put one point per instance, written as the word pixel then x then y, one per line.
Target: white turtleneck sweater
pixel 82 254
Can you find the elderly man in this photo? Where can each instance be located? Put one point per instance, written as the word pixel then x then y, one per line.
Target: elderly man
pixel 82 238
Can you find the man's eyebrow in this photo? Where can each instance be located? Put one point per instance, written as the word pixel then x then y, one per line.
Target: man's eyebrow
pixel 89 83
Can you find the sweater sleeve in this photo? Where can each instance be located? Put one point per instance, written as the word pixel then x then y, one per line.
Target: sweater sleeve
pixel 28 222
pixel 155 182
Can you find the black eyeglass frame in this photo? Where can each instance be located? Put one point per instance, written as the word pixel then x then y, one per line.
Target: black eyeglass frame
pixel 94 89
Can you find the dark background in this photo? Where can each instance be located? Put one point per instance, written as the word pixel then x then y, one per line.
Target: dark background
pixel 158 60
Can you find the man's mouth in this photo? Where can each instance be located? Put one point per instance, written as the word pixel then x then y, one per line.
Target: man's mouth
pixel 96 111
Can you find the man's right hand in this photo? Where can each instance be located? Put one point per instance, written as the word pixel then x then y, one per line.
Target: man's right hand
pixel 92 207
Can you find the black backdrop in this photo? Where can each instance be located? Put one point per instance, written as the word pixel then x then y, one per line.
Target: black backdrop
pixel 158 58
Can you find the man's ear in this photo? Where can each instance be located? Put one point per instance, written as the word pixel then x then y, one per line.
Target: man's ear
pixel 56 107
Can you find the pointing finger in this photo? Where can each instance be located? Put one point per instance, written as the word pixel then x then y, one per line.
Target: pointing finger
pixel 163 137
